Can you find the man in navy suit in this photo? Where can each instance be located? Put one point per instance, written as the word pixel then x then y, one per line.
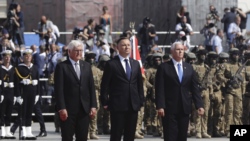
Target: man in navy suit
pixel 176 88
pixel 122 92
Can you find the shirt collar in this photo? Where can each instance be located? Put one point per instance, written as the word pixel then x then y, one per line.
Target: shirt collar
pixel 31 65
pixel 122 58
pixel 73 62
pixel 7 69
pixel 175 62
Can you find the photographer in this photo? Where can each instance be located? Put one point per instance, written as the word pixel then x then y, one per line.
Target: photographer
pixel 209 30
pixel 88 34
pixel 243 22
pixel 101 47
pixel 217 42
pixel 185 27
pixel 228 18
pixel 45 28
pixel 234 32
pixel 147 36
pixel 213 16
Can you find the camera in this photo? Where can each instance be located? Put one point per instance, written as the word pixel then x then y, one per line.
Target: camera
pixel 214 12
pixel 185 29
pixel 233 9
pixel 76 32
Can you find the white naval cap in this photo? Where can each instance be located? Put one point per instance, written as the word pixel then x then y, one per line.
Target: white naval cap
pixel 6 52
pixel 27 51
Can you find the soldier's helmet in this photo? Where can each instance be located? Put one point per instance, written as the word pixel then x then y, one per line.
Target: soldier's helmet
pixel 191 55
pixel 233 51
pixel 104 58
pixel 90 54
pixel 157 55
pixel 212 54
pixel 166 56
pixel 224 55
pixel 247 54
pixel 201 52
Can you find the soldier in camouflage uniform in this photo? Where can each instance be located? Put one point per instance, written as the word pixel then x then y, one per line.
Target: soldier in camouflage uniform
pixel 223 60
pixel 147 107
pixel 234 89
pixel 202 70
pixel 138 133
pixel 97 74
pixel 215 95
pixel 155 120
pixel 191 59
pixel 103 118
pixel 166 57
pixel 246 99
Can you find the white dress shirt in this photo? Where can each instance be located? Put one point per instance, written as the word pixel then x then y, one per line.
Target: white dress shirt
pixel 123 62
pixel 176 67
pixel 73 64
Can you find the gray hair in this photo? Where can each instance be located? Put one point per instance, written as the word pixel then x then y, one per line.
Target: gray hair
pixel 75 43
pixel 174 45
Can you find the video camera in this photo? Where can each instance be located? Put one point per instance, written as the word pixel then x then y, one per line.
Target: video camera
pixel 214 12
pixel 76 32
pixel 184 28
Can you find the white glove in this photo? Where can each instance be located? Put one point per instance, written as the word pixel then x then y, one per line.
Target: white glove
pixel 36 99
pixel 2 98
pixel 19 100
pixel 14 101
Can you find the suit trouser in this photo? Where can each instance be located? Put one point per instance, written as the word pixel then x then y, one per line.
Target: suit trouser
pixel 39 115
pixel 246 110
pixel 76 124
pixel 123 122
pixel 6 110
pixel 175 127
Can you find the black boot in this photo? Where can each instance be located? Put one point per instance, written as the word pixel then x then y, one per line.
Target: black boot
pixel 42 134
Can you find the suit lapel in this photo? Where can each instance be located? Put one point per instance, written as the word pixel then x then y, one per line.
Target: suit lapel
pixel 82 70
pixel 174 71
pixel 120 67
pixel 72 69
pixel 131 61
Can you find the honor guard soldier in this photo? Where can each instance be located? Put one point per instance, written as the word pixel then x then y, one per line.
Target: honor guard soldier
pixel 27 90
pixel 7 98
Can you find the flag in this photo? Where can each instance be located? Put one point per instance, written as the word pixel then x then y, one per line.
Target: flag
pixel 135 54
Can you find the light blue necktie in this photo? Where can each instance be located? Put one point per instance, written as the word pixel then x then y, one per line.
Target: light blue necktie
pixel 180 72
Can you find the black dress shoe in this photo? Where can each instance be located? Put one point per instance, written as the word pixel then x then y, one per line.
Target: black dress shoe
pixel 42 134
pixel 57 130
pixel 30 138
pixel 13 129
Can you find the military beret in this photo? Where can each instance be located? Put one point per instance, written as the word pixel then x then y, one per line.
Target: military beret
pixel 6 52
pixel 191 55
pixel 223 55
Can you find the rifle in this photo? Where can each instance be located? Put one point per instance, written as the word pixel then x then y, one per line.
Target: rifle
pixel 234 81
pixel 203 83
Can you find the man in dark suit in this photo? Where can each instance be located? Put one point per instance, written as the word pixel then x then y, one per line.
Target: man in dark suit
pixel 75 94
pixel 122 92
pixel 176 88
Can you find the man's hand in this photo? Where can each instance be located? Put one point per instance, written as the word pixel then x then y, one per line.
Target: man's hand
pixel 63 114
pixel 92 112
pixel 200 111
pixel 105 107
pixel 161 112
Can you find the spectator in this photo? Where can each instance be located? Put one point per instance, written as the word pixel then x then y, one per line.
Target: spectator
pixel 234 31
pixel 182 39
pixel 217 42
pixel 36 59
pixel 212 16
pixel 88 34
pixel 228 18
pixel 19 18
pixel 243 22
pixel 155 49
pixel 5 34
pixel 44 27
pixel 106 22
pixel 101 48
pixel 209 30
pixel 147 35
pixel 183 12
pixel 56 32
pixel 185 27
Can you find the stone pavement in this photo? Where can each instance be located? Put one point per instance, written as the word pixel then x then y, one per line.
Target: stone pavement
pixel 52 136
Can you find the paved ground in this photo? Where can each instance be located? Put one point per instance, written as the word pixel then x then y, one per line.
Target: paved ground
pixel 52 136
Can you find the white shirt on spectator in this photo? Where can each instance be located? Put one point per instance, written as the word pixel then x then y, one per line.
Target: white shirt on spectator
pixel 56 30
pixel 105 49
pixel 43 57
pixel 216 42
pixel 178 27
pixel 233 29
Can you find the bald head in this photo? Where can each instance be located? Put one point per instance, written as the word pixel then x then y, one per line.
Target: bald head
pixel 43 19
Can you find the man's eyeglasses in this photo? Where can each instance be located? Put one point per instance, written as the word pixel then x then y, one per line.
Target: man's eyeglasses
pixel 78 50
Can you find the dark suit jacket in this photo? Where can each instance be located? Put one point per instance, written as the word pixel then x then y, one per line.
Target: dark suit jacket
pixel 37 61
pixel 173 96
pixel 227 19
pixel 71 93
pixel 117 91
